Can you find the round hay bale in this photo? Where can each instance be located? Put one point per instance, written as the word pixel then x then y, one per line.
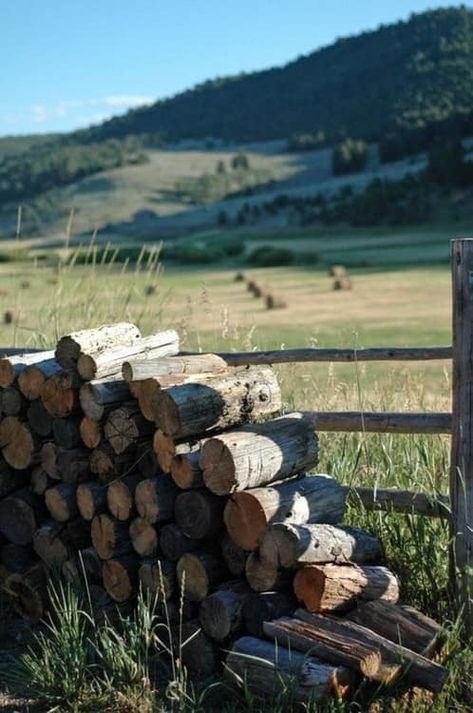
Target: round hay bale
pixel 337 271
pixel 25 284
pixel 258 291
pixel 11 316
pixel 251 286
pixel 273 302
pixel 342 283
pixel 150 290
pixel 240 277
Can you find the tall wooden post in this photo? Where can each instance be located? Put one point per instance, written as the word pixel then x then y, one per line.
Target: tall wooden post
pixel 461 475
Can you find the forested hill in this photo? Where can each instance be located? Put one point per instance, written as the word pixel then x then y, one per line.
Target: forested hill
pixel 405 76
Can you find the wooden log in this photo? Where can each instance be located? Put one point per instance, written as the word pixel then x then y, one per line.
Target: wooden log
pixel 19 446
pixel 110 361
pixel 66 432
pixel 12 401
pixel 146 460
pixel 27 592
pixel 91 497
pixel 399 623
pixel 197 652
pixel 21 512
pixel 220 402
pixel 289 545
pixel 338 588
pixel 40 480
pixel 125 426
pixel 256 455
pixel 32 378
pixel 266 669
pixel 197 572
pixel 417 670
pixel 98 397
pixel 107 465
pixel 150 368
pixel 73 465
pixel 186 471
pixel 10 479
pixel 110 537
pixel 266 606
pixel 17 558
pixel 12 366
pixel 60 394
pixel 166 449
pixel 144 537
pixel 61 501
pixel 380 422
pixel 221 613
pixel 91 432
pixel 177 611
pixel 121 496
pixel 394 500
pixel 91 564
pixel 40 421
pixel 51 545
pixel 316 498
pixel 173 543
pixel 48 457
pixel 155 498
pixel 105 610
pixel 199 514
pixel 94 341
pixel 120 577
pixel 262 576
pixel 158 576
pixel 233 555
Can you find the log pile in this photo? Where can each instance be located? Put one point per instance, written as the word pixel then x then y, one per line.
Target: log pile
pixel 137 466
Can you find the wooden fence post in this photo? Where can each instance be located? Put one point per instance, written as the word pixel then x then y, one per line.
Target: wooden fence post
pixel 461 474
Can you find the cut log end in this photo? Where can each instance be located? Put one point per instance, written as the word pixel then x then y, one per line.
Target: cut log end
pixel 245 520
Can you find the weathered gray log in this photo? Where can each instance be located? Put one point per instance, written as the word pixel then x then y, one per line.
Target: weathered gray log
pixel 40 421
pixel 125 426
pixel 150 368
pixel 186 471
pixel 28 591
pixel 144 537
pixel 256 455
pixel 96 397
pixel 19 445
pixel 91 497
pixel 91 432
pixel 233 555
pixel 392 499
pixel 290 545
pixel 173 543
pixel 266 606
pixel 199 514
pixel 61 501
pixel 94 341
pixel 263 576
pixel 66 432
pixel 220 402
pixel 110 537
pixel 380 422
pixel 198 653
pixel 199 571
pixel 120 576
pixel 12 401
pixel 221 613
pixel 155 498
pixel 60 394
pixel 21 512
pixel 121 496
pixel 316 498
pixel 12 366
pixel 110 361
pixel 32 378
pixel 158 576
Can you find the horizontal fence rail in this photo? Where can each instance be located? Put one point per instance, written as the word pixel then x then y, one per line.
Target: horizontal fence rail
pixel 283 356
pixel 403 501
pixel 383 422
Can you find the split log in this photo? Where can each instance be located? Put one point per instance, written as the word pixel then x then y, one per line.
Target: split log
pixel 401 624
pixel 48 456
pixel 290 545
pixel 316 498
pixel 220 402
pixel 146 460
pixel 144 537
pixel 221 613
pixel 125 426
pixel 199 514
pixel 152 368
pixel 337 588
pixel 90 432
pixel 91 499
pixel 265 669
pixel 158 576
pixel 94 341
pixel 12 366
pixel 110 537
pixel 121 496
pixel 155 498
pixel 96 397
pixel 120 577
pixel 186 471
pixel 28 592
pixel 107 465
pixel 233 555
pixel 110 361
pixel 40 421
pixel 40 480
pixel 197 652
pixel 19 446
pixel 199 571
pixel 173 543
pixel 10 479
pixel 21 512
pixel 66 432
pixel 266 606
pixel 17 558
pixel 60 395
pixel 12 401
pixel 32 378
pixel 72 466
pixel 255 455
pixel 265 577
pixel 61 501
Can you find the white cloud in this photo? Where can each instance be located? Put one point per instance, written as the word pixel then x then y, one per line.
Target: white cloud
pixel 90 110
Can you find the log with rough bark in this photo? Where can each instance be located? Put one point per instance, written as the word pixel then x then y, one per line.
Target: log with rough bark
pixel 233 555
pixel 266 606
pixel 107 465
pixel 265 669
pixel 60 394
pixel 91 497
pixel 120 576
pixel 221 613
pixel 199 514
pixel 155 498
pixel 94 341
pixel 91 432
pixel 21 513
pixel 66 432
pixel 11 479
pixel 61 501
pixel 121 496
pixel 110 361
pixel 290 545
pixel 12 366
pixel 40 421
pixel 173 543
pixel 255 455
pixel 20 447
pixel 32 378
pixel 197 572
pixel 317 498
pixel 144 537
pixel 27 591
pixel 158 576
pixel 220 402
pixel 125 426
pixel 12 401
pixel 152 368
pixel 198 653
pixel 338 587
pixel 262 576
pixel 186 471
pixel 110 537
pixel 101 396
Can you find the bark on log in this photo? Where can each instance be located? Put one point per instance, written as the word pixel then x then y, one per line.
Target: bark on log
pixel 198 653
pixel 66 432
pixel 146 460
pixel 91 564
pixel 140 369
pixel 383 422
pixel 40 421
pixel 266 669
pixel 12 401
pixel 121 496
pixel 32 378
pixel 107 465
pixel 173 543
pixel 55 542
pixel 199 514
pixel 125 426
pixel 221 613
pixel 91 499
pixel 61 501
pixel 21 512
pixel 186 471
pixel 19 446
pixel 28 592
pixel 90 432
pixel 158 576
pixel 97 397
pixel 110 361
pixel 316 498
pixel 155 498
pixel 120 577
pixel 60 394
pixel 199 571
pixel 144 537
pixel 256 455
pixel 265 577
pixel 220 402
pixel 110 537
pixel 72 465
pixel 12 366
pixel 94 341
pixel 338 588
pixel 289 545
pixel 266 606
pixel 233 555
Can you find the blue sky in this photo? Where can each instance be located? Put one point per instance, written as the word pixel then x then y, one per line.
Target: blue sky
pixel 71 63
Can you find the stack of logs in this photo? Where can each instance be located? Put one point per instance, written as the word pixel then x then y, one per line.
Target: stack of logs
pixel 129 463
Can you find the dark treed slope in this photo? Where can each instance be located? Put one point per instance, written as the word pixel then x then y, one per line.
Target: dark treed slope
pixel 403 76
